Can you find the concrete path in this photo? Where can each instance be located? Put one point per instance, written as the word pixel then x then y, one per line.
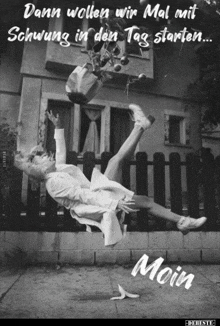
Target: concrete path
pixel 85 292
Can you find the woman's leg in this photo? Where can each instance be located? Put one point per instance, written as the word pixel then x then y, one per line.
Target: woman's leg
pixel 114 168
pixel 154 208
pixel 184 224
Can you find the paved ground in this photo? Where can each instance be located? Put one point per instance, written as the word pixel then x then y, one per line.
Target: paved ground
pixel 85 292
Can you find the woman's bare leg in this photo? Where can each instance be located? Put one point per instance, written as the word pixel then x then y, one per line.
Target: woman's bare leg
pixel 114 169
pixel 184 224
pixel 154 208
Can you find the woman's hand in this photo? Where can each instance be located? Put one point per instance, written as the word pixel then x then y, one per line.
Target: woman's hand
pixel 126 206
pixel 55 120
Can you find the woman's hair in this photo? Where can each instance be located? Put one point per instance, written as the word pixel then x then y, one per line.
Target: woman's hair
pixel 28 164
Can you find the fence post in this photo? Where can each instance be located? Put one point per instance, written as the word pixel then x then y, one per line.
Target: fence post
pixel 105 157
pixel 192 178
pixel 51 217
pixel 159 185
pixel 1 203
pixel 208 177
pixel 10 201
pixel 71 158
pixel 33 206
pixel 88 164
pixel 126 184
pixel 175 183
pixel 15 198
pixel 126 174
pixel 142 187
pixel 217 174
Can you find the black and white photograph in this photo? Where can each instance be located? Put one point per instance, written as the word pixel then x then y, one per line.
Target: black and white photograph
pixel 110 160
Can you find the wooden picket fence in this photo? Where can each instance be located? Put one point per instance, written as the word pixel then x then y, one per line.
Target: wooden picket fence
pixel 37 215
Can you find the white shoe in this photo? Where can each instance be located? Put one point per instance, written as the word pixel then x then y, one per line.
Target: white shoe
pixel 185 224
pixel 140 118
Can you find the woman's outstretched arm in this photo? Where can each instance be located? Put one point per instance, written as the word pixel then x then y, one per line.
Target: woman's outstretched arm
pixel 59 138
